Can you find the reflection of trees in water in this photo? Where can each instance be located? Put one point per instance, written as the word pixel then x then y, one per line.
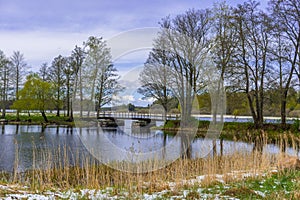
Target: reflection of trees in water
pixel 186 139
pixel 3 128
pixel 139 130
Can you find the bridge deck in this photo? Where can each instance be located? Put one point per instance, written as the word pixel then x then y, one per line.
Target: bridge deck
pixel 136 116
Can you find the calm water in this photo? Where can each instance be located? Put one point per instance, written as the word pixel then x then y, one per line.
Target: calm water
pixel 30 141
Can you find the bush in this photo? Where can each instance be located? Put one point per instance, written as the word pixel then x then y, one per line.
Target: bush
pixel 295 126
pixel 172 124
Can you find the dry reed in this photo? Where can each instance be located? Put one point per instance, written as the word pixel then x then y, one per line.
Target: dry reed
pixel 52 169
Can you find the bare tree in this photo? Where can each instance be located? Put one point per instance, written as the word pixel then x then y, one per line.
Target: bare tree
pixel 44 72
pixel 155 78
pixel 286 53
pixel 18 68
pixel 253 30
pixel 4 81
pixel 183 44
pixel 186 39
pixel 69 72
pixel 57 78
pixel 78 56
pixel 224 45
pixel 100 74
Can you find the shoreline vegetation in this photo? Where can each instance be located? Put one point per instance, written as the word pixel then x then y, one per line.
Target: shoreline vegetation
pixel 240 175
pixel 243 175
pixel 236 131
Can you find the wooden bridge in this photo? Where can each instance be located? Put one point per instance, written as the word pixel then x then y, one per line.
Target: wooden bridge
pixel 148 117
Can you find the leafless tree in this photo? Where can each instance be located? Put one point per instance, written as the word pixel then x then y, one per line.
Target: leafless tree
pixel 44 72
pixel 100 74
pixel 18 72
pixel 186 39
pixel 252 26
pixel 224 45
pixel 155 78
pixel 285 51
pixel 78 56
pixel 57 78
pixel 4 81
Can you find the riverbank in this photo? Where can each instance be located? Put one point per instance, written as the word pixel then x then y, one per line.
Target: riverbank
pixel 241 131
pixel 53 175
pixel 232 130
pixel 234 180
pixel 37 119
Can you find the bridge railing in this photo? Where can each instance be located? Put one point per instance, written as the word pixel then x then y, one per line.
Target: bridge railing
pixel 134 115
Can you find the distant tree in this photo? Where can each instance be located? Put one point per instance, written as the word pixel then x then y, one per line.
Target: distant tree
pixel 70 71
pixel 102 79
pixel 77 57
pixel 44 72
pixel 18 72
pixel 57 78
pixel 224 43
pixel 35 95
pixel 155 78
pixel 4 81
pixel 131 107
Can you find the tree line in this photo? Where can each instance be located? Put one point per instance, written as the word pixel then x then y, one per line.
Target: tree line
pixel 241 49
pixel 85 80
pixel 251 50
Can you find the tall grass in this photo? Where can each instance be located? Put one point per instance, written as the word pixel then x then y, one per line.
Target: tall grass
pixel 53 169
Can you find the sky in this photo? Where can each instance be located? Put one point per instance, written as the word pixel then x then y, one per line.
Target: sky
pixel 44 29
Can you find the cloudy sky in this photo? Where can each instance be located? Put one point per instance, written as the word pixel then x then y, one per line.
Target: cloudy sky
pixel 43 29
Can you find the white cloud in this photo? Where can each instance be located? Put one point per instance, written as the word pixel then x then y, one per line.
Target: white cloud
pixel 42 30
pixel 39 47
pixel 42 46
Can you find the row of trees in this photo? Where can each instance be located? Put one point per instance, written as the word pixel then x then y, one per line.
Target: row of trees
pixel 85 80
pixel 12 72
pixel 252 51
pixel 243 48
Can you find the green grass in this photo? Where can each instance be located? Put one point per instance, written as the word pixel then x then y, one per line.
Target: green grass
pixel 243 131
pixel 284 185
pixel 36 118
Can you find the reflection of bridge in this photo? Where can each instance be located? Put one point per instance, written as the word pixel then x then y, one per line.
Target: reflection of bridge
pixel 136 116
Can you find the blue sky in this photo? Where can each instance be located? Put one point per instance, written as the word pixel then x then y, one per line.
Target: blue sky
pixel 43 29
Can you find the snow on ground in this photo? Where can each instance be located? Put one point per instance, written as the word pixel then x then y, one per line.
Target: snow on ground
pixel 15 192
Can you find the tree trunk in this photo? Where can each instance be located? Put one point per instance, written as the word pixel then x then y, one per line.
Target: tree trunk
pixel 17 92
pixel 3 110
pixel 283 112
pixel 80 92
pixel 68 97
pixel 3 96
pixel 186 148
pixel 58 99
pixel 44 116
pixel 71 119
pixel 98 112
pixel 58 112
pixel 18 115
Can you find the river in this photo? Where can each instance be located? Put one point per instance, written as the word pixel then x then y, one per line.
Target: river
pixel 33 144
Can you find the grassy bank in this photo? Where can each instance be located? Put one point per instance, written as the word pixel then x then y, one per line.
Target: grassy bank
pixel 269 186
pixel 243 131
pixel 37 119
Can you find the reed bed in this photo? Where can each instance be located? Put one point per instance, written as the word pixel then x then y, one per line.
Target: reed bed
pixel 60 169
